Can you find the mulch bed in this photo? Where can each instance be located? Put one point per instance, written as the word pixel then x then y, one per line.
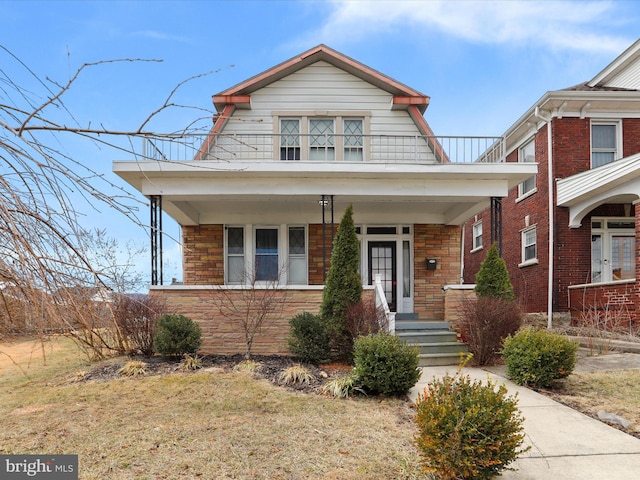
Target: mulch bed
pixel 269 368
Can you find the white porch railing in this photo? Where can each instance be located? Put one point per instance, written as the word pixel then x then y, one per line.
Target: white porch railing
pixel 346 148
pixel 382 305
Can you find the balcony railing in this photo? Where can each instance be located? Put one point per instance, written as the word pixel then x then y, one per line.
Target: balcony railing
pixel 346 148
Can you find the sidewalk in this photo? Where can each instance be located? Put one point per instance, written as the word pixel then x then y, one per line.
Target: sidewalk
pixel 565 444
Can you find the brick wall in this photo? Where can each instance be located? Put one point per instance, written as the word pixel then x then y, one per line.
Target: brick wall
pixel 222 332
pixel 317 252
pixel 453 299
pixel 612 305
pixel 441 242
pixel 630 136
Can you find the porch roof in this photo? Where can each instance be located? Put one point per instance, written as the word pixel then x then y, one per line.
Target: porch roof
pixel 206 192
pixel 616 182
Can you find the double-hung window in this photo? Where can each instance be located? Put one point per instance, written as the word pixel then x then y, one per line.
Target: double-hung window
pixel 235 255
pixel 353 139
pixel 529 241
pixel 321 139
pixel 266 254
pixel 527 153
pixel 289 139
pixel 604 143
pixel 477 235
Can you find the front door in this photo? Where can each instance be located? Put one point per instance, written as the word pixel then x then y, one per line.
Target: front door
pixel 382 260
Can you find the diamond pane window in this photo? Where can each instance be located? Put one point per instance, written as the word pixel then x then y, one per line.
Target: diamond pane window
pixel 353 140
pixel 289 139
pixel 297 256
pixel 321 139
pixel 235 254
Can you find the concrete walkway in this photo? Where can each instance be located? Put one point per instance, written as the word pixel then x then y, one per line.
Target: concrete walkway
pixel 565 444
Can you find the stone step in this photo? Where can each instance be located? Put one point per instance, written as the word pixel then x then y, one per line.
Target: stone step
pixel 442 347
pixel 425 336
pixel 438 359
pixel 405 325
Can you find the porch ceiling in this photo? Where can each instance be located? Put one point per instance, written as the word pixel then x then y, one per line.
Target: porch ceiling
pixel 210 192
pixel 616 182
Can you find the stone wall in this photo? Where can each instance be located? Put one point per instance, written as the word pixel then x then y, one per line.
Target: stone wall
pixel 222 331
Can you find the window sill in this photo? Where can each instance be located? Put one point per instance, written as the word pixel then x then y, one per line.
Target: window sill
pixel 526 195
pixel 477 249
pixel 533 261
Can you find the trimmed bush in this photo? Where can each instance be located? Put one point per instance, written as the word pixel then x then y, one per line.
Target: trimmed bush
pixel 492 279
pixel 538 357
pixel 486 322
pixel 467 429
pixel 384 364
pixel 309 338
pixel 176 335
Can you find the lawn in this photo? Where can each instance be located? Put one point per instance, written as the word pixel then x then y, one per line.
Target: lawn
pixel 213 424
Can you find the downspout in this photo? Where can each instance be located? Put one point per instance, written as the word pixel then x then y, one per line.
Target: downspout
pixel 462 254
pixel 547 119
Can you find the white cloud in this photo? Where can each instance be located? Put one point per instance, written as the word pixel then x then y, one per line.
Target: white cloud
pixel 156 35
pixel 559 25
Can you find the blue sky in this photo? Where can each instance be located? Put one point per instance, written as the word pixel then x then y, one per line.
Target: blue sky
pixel 482 63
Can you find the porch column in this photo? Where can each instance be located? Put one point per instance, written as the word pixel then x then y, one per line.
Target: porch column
pixel 156 239
pixel 496 223
pixel 636 286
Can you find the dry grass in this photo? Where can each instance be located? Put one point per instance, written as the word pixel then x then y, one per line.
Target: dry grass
pixel 613 391
pixel 207 424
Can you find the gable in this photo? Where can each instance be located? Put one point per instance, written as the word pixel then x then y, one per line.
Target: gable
pixel 321 89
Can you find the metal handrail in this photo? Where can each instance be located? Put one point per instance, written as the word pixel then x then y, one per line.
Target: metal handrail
pixel 334 147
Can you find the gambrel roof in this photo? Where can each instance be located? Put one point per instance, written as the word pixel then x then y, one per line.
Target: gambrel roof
pixel 238 95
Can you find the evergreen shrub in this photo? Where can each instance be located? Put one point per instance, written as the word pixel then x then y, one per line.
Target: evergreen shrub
pixel 309 338
pixel 467 429
pixel 385 364
pixel 176 335
pixel 538 357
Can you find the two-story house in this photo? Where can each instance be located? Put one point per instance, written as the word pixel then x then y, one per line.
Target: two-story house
pixel 289 150
pixel 569 232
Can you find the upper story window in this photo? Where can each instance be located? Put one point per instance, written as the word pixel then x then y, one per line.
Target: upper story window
pixel 321 138
pixel 604 143
pixel 527 153
pixel 289 139
pixel 353 140
pixel 477 235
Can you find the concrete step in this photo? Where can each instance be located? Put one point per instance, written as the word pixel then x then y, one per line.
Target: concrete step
pixel 436 359
pixel 428 336
pixel 405 325
pixel 442 347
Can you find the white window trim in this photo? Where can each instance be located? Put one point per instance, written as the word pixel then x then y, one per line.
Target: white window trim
pixel 606 233
pixel 521 194
pixel 338 118
pixel 283 252
pixel 619 145
pixel 475 248
pixel 530 261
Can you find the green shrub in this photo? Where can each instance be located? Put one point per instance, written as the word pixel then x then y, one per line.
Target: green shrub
pixel 384 364
pixel 176 335
pixel 466 429
pixel 492 279
pixel 309 338
pixel 486 322
pixel 343 286
pixel 538 357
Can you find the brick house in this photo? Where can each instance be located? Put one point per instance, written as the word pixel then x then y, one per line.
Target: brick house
pixel 569 233
pixel 289 150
